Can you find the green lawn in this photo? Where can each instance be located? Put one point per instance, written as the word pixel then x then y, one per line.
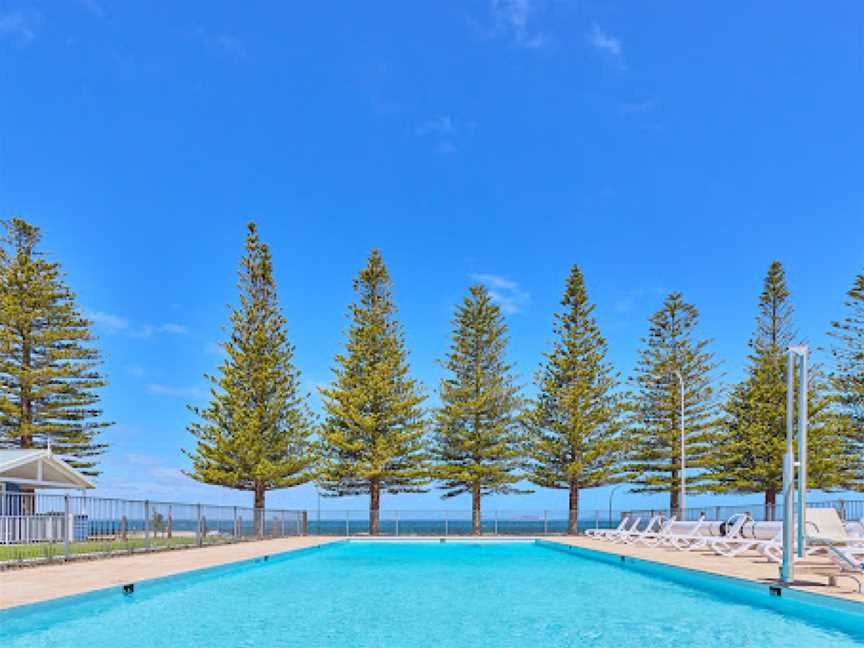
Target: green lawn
pixel 54 550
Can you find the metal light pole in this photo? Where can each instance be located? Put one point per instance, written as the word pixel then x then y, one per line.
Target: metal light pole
pixel 611 493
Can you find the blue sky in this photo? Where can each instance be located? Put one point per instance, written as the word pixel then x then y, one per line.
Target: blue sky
pixel 660 147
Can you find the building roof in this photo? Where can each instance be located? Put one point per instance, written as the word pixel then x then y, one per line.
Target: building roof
pixel 39 469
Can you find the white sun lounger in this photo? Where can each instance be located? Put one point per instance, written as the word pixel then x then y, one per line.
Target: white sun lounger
pixel 692 539
pixel 634 534
pixel 734 542
pixel 610 535
pixel 826 534
pixel 598 533
pixel 625 531
pixel 654 539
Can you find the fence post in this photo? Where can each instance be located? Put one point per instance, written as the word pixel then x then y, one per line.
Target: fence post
pixel 236 525
pixel 496 522
pixel 304 524
pixel 446 524
pixel 70 527
pixel 198 539
pixel 347 523
pixel 397 523
pixel 169 529
pixel 545 522
pixel 596 521
pixel 146 524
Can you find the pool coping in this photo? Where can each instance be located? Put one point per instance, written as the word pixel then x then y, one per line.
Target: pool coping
pixel 212 570
pixel 45 583
pixel 660 569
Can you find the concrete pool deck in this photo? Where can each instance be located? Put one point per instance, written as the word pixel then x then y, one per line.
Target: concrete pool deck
pixel 45 582
pixel 812 574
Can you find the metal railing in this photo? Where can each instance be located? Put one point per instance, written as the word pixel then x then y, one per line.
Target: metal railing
pixel 406 523
pixel 849 510
pixel 38 527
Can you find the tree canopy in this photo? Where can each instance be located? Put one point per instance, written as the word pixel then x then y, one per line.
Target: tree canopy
pixel 49 366
pixel 254 434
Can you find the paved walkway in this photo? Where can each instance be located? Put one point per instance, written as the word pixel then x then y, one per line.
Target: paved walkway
pixel 811 574
pixel 43 582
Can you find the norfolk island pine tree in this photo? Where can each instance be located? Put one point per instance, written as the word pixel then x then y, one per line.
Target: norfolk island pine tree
pixel 48 364
pixel 748 457
pixel 479 446
pixel 254 435
pixel 575 423
pixel 373 438
pixel 847 377
pixel 654 449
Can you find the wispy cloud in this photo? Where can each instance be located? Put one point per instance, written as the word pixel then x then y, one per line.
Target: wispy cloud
pixel 141 475
pixel 221 43
pixel 607 45
pixel 516 20
pixel 142 459
pixel 214 348
pixel 445 131
pixel 150 330
pixel 191 391
pixel 624 305
pixel 508 294
pixel 18 27
pixel 111 323
pixel 638 107
pixel 93 7
pixel 114 324
pixel 135 370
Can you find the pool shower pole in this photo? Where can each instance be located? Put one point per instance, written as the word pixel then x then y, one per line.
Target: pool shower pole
pixel 802 454
pixel 787 567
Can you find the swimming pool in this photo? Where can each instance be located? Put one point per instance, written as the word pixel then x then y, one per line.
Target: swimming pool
pixel 401 594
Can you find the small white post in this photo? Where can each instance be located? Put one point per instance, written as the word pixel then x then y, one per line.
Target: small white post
pixel 146 524
pixel 70 526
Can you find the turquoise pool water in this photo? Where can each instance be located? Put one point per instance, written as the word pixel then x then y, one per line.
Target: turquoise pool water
pixel 450 595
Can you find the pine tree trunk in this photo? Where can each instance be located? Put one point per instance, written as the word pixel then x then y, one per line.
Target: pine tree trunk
pixel 573 520
pixel 260 494
pixel 26 401
pixel 475 509
pixel 674 495
pixel 374 506
pixel 770 504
